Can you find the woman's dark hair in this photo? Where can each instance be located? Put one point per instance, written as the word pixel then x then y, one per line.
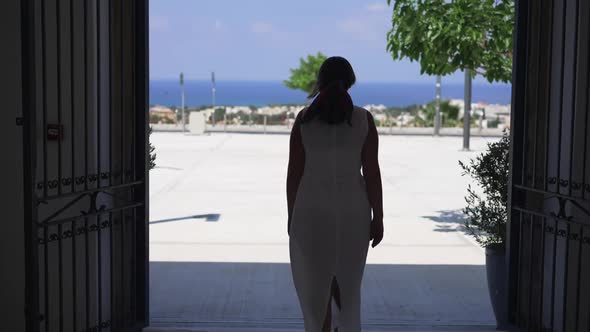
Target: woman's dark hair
pixel 332 103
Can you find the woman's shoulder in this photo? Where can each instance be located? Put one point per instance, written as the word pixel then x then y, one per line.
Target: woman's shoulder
pixel 361 110
pixel 365 117
pixel 301 113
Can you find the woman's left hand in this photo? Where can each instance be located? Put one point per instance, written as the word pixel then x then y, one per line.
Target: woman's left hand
pixel 376 232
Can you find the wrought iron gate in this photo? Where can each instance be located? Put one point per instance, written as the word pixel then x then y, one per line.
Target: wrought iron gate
pixel 85 120
pixel 549 241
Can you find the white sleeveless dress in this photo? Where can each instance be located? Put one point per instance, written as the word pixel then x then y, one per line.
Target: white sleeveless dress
pixel 330 225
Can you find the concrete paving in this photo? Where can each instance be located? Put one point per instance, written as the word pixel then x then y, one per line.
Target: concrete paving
pixel 219 247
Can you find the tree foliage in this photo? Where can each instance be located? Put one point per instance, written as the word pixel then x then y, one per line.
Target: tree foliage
pixel 448 112
pixel 304 77
pixel 219 114
pixel 446 36
pixel 487 212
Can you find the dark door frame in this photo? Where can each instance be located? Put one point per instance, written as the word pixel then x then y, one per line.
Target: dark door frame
pixel 140 100
pixel 549 196
pixel 142 76
pixel 519 74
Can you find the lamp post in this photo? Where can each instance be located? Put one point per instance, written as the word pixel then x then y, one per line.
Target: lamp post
pixel 213 89
pixel 182 101
pixel 467 110
pixel 437 121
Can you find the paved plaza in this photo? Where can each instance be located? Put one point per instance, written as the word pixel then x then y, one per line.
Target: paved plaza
pixel 219 247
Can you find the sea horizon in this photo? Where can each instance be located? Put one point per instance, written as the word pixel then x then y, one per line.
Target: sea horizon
pixel 260 93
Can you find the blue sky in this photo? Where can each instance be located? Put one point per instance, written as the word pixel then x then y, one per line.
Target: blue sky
pixel 262 39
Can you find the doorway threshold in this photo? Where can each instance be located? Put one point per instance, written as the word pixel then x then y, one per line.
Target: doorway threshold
pixel 297 326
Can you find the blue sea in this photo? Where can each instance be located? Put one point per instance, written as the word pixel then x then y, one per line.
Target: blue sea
pixel 261 93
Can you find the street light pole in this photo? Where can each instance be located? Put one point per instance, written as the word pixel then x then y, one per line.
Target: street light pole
pixel 213 97
pixel 213 89
pixel 182 102
pixel 437 122
pixel 467 110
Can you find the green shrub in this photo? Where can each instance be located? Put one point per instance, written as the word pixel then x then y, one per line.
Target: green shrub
pixel 487 213
pixel 493 123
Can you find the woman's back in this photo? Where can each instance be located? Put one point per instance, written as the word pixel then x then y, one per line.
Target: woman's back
pixel 331 219
pixel 333 151
pixel 330 202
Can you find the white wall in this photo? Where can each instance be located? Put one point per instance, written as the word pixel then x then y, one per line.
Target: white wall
pixel 12 276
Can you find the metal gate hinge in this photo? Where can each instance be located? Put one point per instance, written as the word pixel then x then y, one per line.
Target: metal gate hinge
pixel 19 121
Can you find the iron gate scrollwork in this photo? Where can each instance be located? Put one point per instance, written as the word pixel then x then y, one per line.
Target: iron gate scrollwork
pixel 549 228
pixel 85 135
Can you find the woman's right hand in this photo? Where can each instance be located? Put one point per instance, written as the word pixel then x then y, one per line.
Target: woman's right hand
pixel 376 231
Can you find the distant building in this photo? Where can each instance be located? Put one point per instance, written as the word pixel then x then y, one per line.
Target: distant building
pixel 238 109
pixel 404 119
pixel 380 116
pixel 375 108
pixel 279 109
pixel 498 112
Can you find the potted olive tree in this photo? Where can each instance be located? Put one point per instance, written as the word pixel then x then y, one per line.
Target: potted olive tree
pixel 486 216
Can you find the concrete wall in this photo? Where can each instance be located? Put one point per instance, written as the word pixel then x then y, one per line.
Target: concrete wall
pixel 12 275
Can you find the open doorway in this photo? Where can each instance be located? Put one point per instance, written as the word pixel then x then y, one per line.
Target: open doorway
pixel 84 134
pixel 218 243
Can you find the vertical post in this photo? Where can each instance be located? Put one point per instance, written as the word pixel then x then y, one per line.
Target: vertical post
pixel 481 118
pixel 29 153
pixel 213 89
pixel 265 123
pixel 142 152
pixel 467 112
pixel 437 122
pixel 517 120
pixel 224 118
pixel 182 101
pixel 391 125
pixel 213 97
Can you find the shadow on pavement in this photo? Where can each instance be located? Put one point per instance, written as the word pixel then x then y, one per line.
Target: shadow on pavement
pixel 449 221
pixel 262 295
pixel 211 217
pixel 168 167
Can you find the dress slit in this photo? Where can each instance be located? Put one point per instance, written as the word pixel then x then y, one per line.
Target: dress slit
pixel 335 296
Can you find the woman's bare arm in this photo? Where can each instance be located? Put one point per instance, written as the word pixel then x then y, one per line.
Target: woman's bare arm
pixel 372 175
pixel 296 166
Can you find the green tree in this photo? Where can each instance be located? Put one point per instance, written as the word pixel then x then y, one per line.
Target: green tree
pixel 304 77
pixel 446 36
pixel 218 114
pixel 449 113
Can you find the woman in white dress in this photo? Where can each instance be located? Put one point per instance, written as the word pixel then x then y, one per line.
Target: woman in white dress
pixel 330 202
